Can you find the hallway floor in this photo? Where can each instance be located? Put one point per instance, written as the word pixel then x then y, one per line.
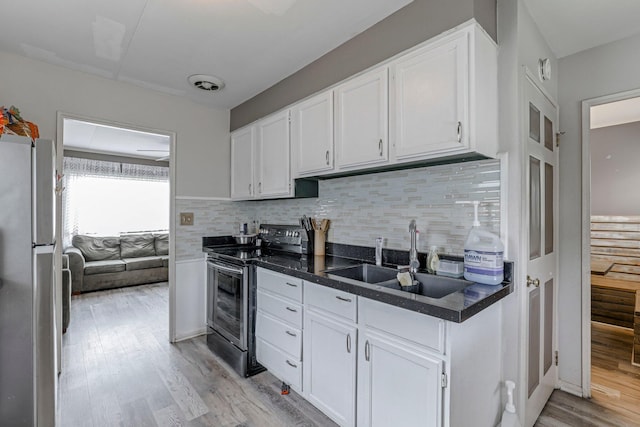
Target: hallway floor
pixel 615 382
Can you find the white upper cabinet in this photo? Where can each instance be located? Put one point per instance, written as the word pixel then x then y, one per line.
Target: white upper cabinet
pixel 444 98
pixel 436 101
pixel 242 163
pixel 273 158
pixel 312 135
pixel 362 120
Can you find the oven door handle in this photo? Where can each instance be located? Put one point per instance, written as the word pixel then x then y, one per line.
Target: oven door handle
pixel 225 268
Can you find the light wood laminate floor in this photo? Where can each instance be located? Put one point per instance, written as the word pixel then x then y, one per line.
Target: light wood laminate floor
pixel 120 370
pixel 615 386
pixel 615 382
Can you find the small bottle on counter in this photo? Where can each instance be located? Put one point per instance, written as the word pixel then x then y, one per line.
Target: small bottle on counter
pixel 433 260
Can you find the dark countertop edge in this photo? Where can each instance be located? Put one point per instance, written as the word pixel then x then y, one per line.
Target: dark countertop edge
pixel 409 302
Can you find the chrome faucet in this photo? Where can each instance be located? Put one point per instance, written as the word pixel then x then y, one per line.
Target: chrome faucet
pixel 414 264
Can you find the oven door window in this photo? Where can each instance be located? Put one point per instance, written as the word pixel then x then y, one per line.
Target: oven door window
pixel 228 312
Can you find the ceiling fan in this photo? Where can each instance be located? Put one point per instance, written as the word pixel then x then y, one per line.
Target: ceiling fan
pixel 160 159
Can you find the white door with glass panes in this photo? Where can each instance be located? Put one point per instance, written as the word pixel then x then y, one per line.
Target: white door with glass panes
pixel 430 99
pixel 242 163
pixel 312 134
pixel 274 162
pixel 540 296
pixel 362 120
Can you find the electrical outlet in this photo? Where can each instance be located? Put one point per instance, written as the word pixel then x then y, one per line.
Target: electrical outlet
pixel 186 218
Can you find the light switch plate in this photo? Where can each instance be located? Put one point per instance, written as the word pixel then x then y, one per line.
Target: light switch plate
pixel 186 218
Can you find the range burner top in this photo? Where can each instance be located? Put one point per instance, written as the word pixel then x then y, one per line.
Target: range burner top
pixel 277 240
pixel 238 252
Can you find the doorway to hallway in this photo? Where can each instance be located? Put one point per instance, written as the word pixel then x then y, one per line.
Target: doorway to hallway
pixel 613 143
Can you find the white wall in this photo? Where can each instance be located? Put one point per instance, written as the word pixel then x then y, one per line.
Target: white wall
pixel 40 90
pixel 615 152
pixel 596 72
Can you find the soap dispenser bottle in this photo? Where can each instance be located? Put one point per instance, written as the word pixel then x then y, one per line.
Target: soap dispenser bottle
pixel 483 254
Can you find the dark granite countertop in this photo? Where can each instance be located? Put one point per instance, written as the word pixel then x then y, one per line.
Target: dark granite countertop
pixel 456 307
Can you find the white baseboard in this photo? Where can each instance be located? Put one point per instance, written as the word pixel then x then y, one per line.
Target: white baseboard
pixel 576 390
pixel 188 335
pixel 215 199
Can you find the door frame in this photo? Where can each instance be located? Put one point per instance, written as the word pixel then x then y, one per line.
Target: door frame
pixel 61 116
pixel 586 228
pixel 526 76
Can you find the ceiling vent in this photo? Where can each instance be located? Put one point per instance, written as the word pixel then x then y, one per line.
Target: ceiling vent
pixel 204 82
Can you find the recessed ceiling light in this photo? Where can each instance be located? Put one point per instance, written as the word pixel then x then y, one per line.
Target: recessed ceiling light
pixel 205 82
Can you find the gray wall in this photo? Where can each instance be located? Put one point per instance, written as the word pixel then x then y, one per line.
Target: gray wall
pixel 413 24
pixel 615 179
pixel 596 72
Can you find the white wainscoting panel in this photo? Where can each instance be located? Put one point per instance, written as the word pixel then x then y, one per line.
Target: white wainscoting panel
pixel 190 298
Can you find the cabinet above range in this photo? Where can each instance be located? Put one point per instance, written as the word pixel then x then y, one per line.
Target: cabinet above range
pixel 434 103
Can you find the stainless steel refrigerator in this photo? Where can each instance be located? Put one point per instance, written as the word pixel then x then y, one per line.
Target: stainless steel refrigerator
pixel 27 349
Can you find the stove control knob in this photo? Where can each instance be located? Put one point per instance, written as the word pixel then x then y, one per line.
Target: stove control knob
pixel 296 234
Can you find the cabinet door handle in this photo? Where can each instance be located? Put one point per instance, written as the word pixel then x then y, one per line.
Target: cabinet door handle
pixel 293 310
pixel 459 131
pixel 292 285
pixel 290 333
pixel 380 146
pixel 293 365
pixel 366 351
pixel 348 343
pixel 343 299
pixel 327 157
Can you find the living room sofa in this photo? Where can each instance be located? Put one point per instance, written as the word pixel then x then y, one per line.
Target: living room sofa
pixel 108 262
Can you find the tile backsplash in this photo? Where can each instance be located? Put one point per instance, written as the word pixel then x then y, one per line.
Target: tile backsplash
pixel 364 207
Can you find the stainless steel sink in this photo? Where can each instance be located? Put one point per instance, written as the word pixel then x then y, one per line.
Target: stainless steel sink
pixel 364 273
pixel 430 285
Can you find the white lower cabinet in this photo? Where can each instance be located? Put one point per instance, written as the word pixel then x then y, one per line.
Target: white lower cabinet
pixel 330 348
pixel 397 384
pixel 279 326
pixel 366 363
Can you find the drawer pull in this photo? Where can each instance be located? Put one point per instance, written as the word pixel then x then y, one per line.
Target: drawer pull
pixel 327 157
pixel 380 146
pixel 291 333
pixel 348 343
pixel 459 131
pixel 343 299
pixel 292 285
pixel 293 365
pixel 292 309
pixel 366 351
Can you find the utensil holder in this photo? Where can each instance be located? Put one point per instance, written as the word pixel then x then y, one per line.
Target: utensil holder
pixel 319 242
pixel 318 264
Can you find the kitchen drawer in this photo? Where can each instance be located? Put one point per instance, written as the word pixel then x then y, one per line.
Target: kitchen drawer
pixel 283 309
pixel 426 331
pixel 334 301
pixel 279 334
pixel 281 284
pixel 280 364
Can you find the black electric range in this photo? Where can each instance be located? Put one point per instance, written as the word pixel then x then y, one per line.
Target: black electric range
pixel 231 290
